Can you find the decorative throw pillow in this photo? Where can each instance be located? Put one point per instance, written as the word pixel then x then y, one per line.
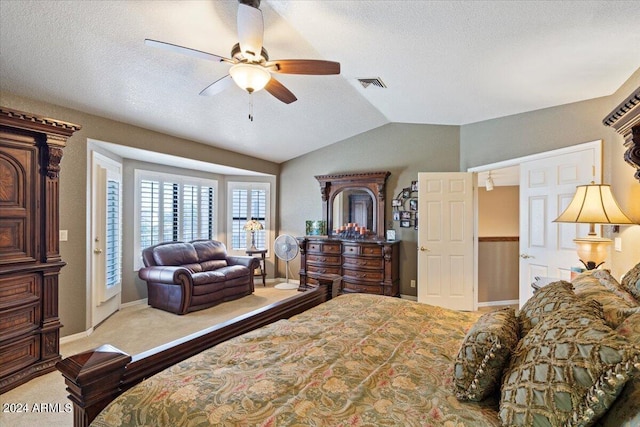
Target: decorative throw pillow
pixel 545 301
pixel 566 372
pixel 608 281
pixel 588 287
pixel 626 409
pixel 631 281
pixel 484 354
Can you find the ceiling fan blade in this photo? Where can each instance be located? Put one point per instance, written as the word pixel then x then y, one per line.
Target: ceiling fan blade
pixel 250 31
pixel 304 66
pixel 278 90
pixel 217 86
pixel 186 51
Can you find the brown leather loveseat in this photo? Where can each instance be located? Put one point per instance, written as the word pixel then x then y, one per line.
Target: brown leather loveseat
pixel 183 277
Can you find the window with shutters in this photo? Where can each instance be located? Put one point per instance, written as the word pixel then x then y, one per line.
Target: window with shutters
pixel 246 201
pixel 173 208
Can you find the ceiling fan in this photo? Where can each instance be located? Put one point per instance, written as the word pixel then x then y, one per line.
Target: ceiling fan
pixel 251 68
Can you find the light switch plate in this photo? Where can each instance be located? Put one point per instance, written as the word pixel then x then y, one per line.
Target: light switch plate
pixel 617 244
pixel 64 235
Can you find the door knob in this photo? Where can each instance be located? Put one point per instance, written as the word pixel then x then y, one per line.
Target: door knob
pixel 423 249
pixel 525 256
pixel 97 251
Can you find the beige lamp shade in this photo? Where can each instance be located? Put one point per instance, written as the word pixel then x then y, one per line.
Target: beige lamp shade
pixel 594 204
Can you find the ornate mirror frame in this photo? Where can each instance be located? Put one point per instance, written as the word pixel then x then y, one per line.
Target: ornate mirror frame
pixel 373 183
pixel 625 119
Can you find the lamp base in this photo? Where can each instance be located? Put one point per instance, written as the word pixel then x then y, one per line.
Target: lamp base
pixel 591 265
pixel 593 249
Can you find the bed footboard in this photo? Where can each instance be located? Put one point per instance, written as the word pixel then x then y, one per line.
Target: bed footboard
pixel 96 377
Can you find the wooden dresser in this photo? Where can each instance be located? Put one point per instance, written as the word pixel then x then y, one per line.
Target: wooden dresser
pixel 30 154
pixel 368 266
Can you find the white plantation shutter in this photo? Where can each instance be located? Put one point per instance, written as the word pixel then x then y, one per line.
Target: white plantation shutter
pixel 248 200
pixel 173 208
pixel 113 234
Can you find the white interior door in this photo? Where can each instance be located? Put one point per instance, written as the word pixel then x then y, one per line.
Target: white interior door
pixel 106 237
pixel 446 240
pixel 547 185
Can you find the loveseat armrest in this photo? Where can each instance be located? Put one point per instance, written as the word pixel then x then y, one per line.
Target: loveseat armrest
pixel 248 261
pixel 165 274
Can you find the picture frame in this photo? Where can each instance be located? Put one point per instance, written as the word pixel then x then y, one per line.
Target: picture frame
pixel 414 185
pixel 396 203
pixel 391 234
pixel 316 228
pixel 413 204
pixel 405 215
pixel 406 193
pixel 405 224
pixel 396 215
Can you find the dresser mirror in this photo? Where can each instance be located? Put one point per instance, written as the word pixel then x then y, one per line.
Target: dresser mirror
pixel 354 198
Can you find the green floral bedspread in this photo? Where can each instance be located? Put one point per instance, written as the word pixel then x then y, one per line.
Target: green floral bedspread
pixel 357 360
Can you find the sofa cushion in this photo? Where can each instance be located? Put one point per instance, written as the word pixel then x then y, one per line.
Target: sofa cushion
pixel 234 271
pixel 206 277
pixel 588 287
pixel 545 301
pixel 631 281
pixel 175 254
pixel 566 371
pixel 208 250
pixel 214 264
pixel 484 353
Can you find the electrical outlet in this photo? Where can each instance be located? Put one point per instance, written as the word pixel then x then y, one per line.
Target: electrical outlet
pixel 413 283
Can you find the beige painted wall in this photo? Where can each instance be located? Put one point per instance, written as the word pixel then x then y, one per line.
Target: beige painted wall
pixel 402 149
pixel 543 130
pixel 73 192
pixel 499 212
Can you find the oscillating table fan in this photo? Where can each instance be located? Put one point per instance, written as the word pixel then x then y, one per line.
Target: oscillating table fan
pixel 286 248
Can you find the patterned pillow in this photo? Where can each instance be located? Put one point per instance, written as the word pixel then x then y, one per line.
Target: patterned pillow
pixel 484 354
pixel 566 372
pixel 610 282
pixel 588 287
pixel 545 301
pixel 626 409
pixel 631 281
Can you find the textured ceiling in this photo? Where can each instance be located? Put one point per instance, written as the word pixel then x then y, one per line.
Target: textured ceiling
pixel 447 62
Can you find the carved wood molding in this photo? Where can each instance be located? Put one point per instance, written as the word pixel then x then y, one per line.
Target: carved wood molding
pixel 625 119
pixel 23 120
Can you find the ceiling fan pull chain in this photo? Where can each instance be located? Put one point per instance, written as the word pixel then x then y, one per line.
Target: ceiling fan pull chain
pixel 251 106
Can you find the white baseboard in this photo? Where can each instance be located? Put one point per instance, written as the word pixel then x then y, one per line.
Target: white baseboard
pixel 494 303
pixel 76 337
pixel 409 297
pixel 143 301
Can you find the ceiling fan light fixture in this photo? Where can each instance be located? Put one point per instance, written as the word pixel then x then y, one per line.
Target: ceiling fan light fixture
pixel 250 78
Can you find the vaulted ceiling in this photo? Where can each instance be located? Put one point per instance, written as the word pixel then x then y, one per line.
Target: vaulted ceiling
pixel 443 62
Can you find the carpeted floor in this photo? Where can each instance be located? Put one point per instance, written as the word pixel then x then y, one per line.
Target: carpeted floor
pixel 132 330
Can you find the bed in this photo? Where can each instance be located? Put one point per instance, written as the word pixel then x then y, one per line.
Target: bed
pixel 360 359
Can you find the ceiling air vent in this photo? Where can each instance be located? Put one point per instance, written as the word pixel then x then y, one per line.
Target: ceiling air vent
pixel 376 81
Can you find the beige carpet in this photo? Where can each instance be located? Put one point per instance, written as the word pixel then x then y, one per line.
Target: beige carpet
pixel 132 330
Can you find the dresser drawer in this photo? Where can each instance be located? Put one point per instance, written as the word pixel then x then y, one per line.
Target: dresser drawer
pixel 19 354
pixel 364 250
pixel 18 290
pixel 368 275
pixel 348 287
pixel 324 259
pixel 323 248
pixel 19 320
pixel 361 262
pixel 323 269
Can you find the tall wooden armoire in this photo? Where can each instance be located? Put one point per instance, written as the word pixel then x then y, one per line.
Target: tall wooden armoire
pixel 30 153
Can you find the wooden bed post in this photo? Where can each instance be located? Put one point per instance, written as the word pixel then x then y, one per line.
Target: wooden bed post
pixel 93 380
